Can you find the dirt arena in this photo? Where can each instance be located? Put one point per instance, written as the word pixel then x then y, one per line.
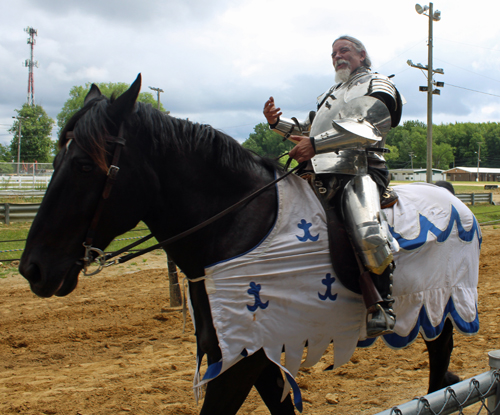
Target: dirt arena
pixel 114 346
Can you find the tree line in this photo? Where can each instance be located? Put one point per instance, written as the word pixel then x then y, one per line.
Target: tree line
pixel 453 145
pixel 458 144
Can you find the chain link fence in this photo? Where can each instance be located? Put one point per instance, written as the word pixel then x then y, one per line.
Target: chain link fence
pixel 483 390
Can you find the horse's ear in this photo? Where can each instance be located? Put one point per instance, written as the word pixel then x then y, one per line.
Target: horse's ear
pixel 94 92
pixel 124 104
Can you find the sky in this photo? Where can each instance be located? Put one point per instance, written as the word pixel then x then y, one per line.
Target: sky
pixel 218 61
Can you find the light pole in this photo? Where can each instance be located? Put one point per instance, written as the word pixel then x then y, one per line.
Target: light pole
pixel 18 143
pixel 428 11
pixel 411 159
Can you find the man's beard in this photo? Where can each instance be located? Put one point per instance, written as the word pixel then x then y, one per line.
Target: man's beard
pixel 342 75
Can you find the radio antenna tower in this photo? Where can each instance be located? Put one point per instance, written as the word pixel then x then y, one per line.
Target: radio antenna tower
pixel 30 63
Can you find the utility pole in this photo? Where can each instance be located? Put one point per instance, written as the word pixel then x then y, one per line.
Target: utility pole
pixel 31 63
pixel 158 91
pixel 478 159
pixel 428 11
pixel 173 278
pixel 411 159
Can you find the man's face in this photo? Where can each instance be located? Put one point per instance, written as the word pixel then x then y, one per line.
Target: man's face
pixel 345 56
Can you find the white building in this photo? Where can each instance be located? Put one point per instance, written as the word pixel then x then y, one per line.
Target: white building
pixel 416 175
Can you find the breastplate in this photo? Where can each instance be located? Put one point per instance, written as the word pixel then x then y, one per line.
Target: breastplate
pixel 349 101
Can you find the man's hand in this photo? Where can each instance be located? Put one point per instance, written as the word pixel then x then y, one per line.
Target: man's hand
pixel 304 150
pixel 271 112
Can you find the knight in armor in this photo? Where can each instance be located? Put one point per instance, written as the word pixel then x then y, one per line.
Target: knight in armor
pixel 344 144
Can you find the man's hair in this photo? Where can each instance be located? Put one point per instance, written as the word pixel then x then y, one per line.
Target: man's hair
pixel 359 48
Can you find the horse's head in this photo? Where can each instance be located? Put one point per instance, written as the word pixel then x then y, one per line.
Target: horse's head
pixel 89 145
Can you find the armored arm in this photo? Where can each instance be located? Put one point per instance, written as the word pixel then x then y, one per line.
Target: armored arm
pixel 291 126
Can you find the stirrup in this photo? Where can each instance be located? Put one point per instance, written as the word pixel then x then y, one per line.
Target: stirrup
pixel 382 321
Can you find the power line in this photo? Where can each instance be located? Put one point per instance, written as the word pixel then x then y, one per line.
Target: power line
pixel 475 73
pixel 468 44
pixel 473 90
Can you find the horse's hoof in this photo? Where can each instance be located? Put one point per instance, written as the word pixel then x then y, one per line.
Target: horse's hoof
pixel 450 379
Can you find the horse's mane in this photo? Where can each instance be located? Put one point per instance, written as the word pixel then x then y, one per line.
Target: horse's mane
pixel 91 123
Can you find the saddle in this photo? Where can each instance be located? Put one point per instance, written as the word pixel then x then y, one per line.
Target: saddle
pixel 328 189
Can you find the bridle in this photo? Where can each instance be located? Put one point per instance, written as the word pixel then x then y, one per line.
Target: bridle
pixel 102 259
pixel 112 174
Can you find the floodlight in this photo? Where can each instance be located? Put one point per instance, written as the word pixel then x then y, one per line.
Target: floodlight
pixel 437 15
pixel 409 62
pixel 419 8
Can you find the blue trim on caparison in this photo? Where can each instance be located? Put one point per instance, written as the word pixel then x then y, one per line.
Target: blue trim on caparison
pixel 297 396
pixel 265 236
pixel 427 226
pixel 213 370
pixel 430 332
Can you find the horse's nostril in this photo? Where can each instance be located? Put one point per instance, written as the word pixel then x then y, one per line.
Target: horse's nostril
pixel 31 273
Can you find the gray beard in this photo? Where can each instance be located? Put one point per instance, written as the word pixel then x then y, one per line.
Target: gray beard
pixel 343 75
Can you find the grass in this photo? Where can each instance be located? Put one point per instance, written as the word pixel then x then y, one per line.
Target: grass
pixel 486 213
pixel 463 187
pixel 20 199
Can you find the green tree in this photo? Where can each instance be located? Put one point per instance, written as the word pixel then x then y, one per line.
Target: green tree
pixel 410 140
pixel 442 156
pixel 266 142
pixel 5 155
pixel 36 128
pixel 78 93
pixel 393 155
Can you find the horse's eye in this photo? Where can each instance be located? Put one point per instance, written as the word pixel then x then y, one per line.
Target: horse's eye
pixel 86 168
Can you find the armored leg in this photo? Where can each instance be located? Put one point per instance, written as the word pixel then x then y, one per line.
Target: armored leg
pixel 367 228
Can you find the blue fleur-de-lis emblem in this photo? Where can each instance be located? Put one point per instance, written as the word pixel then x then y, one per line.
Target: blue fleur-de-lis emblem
pixel 305 226
pixel 255 291
pixel 328 281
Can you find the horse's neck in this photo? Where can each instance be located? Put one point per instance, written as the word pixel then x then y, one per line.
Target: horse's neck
pixel 197 196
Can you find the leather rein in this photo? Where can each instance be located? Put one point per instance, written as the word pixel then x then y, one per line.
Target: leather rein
pixel 96 255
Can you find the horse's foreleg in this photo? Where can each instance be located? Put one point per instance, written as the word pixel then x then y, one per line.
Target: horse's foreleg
pixel 440 351
pixel 270 387
pixel 226 393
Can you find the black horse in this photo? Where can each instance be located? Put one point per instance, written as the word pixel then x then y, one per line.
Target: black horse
pixel 173 175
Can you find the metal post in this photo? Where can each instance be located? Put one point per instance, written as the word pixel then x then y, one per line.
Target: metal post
pixel 7 214
pixel 493 401
pixel 173 279
pixel 429 98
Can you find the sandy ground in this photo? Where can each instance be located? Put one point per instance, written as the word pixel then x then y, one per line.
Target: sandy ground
pixel 114 346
